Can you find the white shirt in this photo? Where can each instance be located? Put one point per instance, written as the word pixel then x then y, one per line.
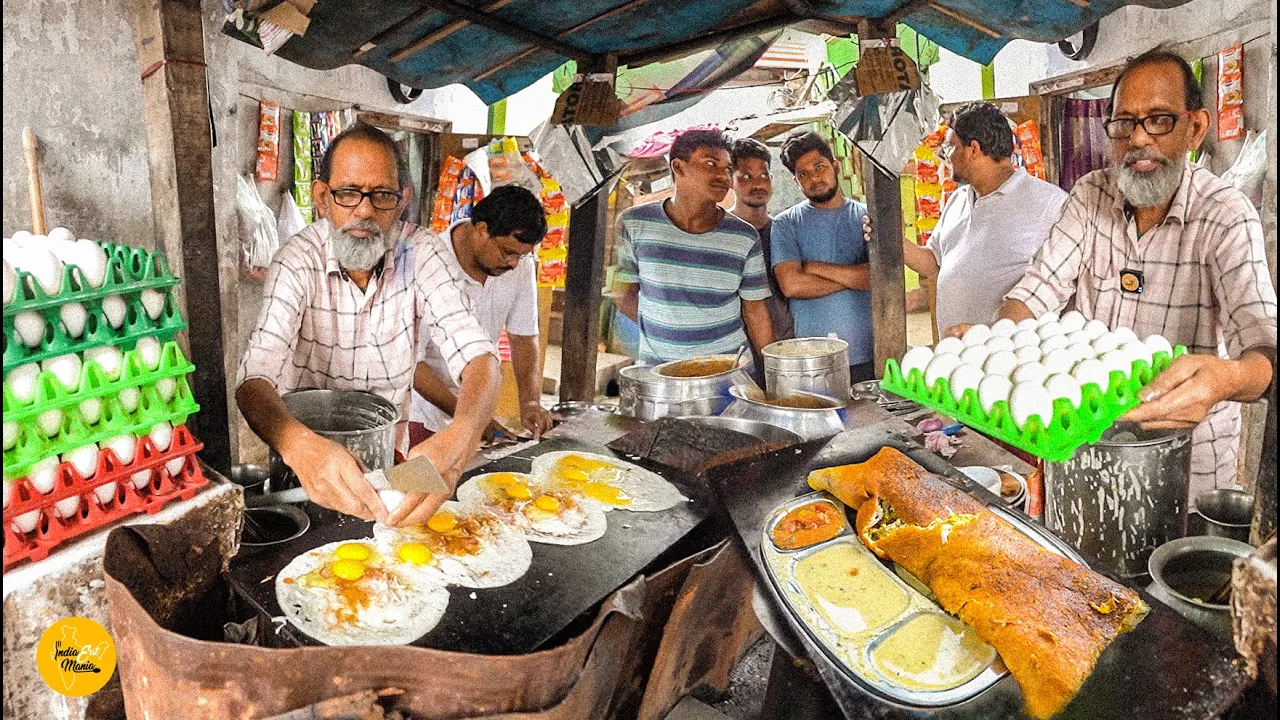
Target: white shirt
pixel 983 245
pixel 508 301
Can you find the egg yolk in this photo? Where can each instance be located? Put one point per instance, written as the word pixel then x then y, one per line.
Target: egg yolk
pixel 352 551
pixel 415 553
pixel 442 522
pixel 546 502
pixel 605 493
pixel 518 491
pixel 571 476
pixel 348 569
pixel 503 479
pixel 585 464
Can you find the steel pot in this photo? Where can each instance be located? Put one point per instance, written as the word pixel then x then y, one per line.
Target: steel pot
pixel 645 394
pixel 1184 572
pixel 1122 497
pixel 808 423
pixel 362 422
pixel 1223 513
pixel 817 365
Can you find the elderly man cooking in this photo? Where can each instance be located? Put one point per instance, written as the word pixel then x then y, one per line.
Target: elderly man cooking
pixel 344 300
pixel 1160 246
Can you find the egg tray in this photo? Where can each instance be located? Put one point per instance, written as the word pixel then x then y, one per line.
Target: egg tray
pixel 51 394
pixel 867 677
pixel 52 530
pixel 129 269
pixel 1070 427
pixel 32 446
pixel 97 331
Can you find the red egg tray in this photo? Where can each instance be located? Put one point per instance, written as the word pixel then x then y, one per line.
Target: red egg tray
pixel 52 530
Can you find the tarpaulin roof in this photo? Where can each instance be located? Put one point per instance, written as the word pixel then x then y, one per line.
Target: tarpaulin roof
pixel 497 47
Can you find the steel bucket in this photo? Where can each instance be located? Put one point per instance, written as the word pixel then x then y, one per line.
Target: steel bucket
pixel 1122 497
pixel 362 422
pixel 816 365
pixel 1223 513
pixel 645 394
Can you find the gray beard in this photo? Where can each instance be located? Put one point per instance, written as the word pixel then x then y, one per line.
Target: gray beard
pixel 354 253
pixel 1148 189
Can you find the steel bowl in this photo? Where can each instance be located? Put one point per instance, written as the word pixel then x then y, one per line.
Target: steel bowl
pixel 250 477
pixel 360 421
pixel 1186 571
pixel 763 431
pixel 808 423
pixel 1225 513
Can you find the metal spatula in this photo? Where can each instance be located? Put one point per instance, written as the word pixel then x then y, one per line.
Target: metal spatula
pixel 416 475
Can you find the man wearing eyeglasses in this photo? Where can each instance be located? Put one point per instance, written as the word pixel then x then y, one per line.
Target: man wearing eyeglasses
pixel 491 254
pixel 1160 246
pixel 344 301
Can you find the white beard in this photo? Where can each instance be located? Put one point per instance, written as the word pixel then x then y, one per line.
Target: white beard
pixel 354 253
pixel 1148 189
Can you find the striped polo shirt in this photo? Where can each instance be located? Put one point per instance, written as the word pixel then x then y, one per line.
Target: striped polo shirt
pixel 691 286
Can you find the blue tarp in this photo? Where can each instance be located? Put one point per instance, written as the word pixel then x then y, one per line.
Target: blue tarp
pixel 339 28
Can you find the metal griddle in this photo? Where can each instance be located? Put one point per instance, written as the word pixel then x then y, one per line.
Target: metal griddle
pixel 1165 668
pixel 561 586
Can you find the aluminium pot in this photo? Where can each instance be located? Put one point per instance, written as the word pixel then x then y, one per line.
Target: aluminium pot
pixel 360 421
pixel 646 394
pixel 1185 572
pixel 808 423
pixel 816 365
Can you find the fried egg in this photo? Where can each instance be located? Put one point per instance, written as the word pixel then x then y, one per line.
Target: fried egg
pixel 349 593
pixel 557 517
pixel 611 482
pixel 469 546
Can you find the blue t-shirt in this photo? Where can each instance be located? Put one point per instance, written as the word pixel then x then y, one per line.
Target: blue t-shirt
pixel 803 233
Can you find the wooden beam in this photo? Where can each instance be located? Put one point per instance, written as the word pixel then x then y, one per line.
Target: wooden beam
pixel 888 284
pixel 509 29
pixel 508 62
pixel 964 20
pixel 704 41
pixel 170 40
pixel 583 293
pixel 432 37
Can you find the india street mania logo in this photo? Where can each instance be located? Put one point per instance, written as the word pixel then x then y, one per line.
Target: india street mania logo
pixel 76 656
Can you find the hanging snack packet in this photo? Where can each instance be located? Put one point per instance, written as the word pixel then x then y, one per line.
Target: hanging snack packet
pixel 1231 93
pixel 268 166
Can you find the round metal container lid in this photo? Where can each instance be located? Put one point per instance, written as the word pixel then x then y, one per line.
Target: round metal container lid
pixel 1124 434
pixel 341 413
pixel 660 370
pixel 797 348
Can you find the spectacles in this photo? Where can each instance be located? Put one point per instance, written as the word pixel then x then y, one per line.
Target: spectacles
pixel 1158 124
pixel 379 199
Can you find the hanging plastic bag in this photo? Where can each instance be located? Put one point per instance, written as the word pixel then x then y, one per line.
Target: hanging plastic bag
pixel 291 221
pixel 258 234
pixel 1246 172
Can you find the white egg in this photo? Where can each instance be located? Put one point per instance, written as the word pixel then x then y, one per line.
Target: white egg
pixel 1117 361
pixel 31 328
pixel 141 479
pixel 1025 338
pixel 1105 343
pixel 44 475
pixel 12 431
pixel 1058 361
pixel 123 446
pixel 975 355
pixel 1081 351
pixel 67 507
pixel 21 236
pixel 115 309
pixel 128 399
pixel 1063 385
pixel 66 368
pixel 998 343
pixel 108 357
pixel 1004 327
pixel 1029 372
pixel 50 422
pixel 1092 371
pixel 1001 363
pixel 1030 399
pixel 940 367
pixel 84 459
pixel 152 303
pixel 917 358
pixel 1029 353
pixel 949 345
pixel 148 349
pixel 8 491
pixel 965 377
pixel 91 410
pixel 1136 350
pixel 174 466
pixel 391 499
pixel 161 435
pixel 10 284
pixel 73 317
pixel 1080 337
pixel 994 389
pixel 25 522
pixel 44 268
pixel 1050 329
pixel 976 335
pixel 92 261
pixel 165 388
pixel 21 382
pixel 1053 342
pixel 1095 329
pixel 1045 319
pixel 1157 344
pixel 105 493
pixel 1072 321
pixel 1124 334
pixel 61 234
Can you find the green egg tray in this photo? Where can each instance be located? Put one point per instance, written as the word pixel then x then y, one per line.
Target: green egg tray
pixel 97 331
pixel 32 446
pixel 1070 427
pixel 94 383
pixel 128 269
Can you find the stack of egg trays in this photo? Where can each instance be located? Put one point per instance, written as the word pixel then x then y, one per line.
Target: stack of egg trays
pixel 161 488
pixel 129 271
pixel 1070 427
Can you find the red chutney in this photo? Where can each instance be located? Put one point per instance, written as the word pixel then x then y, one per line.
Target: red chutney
pixel 808 525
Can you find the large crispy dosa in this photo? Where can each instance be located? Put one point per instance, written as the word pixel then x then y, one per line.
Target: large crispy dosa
pixel 1048 617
